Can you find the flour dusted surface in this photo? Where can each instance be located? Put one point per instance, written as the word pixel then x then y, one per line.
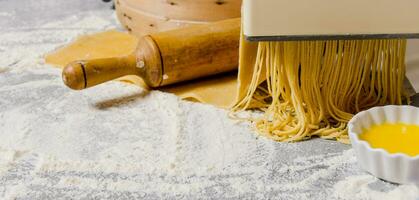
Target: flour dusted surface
pixel 117 141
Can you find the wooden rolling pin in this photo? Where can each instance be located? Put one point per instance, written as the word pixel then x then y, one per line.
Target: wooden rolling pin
pixel 166 58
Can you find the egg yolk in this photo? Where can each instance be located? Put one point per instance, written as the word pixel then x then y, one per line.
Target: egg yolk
pixel 395 138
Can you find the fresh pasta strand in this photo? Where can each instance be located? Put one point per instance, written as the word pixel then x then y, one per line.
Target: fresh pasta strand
pixel 313 88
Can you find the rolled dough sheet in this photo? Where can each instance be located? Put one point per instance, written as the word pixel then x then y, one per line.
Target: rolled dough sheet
pixel 220 91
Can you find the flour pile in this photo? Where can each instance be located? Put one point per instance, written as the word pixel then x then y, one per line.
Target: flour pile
pixel 359 187
pixel 117 141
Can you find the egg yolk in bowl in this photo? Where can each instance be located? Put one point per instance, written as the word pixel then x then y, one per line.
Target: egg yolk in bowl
pixel 393 137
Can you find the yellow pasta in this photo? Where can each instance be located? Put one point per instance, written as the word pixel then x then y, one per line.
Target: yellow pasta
pixel 313 88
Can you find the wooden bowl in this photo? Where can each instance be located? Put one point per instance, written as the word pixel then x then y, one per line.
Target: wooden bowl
pixel 142 17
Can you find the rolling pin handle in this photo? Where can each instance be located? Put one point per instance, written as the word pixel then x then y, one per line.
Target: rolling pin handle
pixel 80 75
pixel 74 75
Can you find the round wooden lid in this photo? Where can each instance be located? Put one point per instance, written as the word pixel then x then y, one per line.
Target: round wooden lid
pixel 143 17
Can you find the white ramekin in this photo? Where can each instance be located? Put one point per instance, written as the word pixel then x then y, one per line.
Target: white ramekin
pixel 396 168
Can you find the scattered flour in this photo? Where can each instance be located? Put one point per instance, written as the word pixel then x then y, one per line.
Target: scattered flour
pixel 14 191
pixel 117 141
pixel 357 187
pixel 33 43
pixel 6 159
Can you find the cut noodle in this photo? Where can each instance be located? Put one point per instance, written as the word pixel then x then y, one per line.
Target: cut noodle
pixel 313 88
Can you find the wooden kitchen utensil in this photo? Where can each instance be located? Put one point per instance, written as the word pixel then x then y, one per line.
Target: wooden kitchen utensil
pixel 166 58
